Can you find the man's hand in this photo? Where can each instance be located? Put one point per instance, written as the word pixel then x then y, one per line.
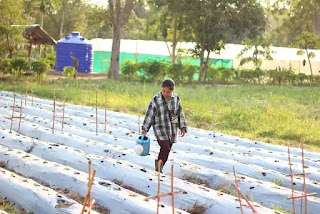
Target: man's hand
pixel 183 132
pixel 144 132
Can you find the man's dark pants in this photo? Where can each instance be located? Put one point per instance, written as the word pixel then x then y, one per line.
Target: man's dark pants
pixel 165 147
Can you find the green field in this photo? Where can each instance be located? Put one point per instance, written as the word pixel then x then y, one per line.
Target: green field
pixel 275 114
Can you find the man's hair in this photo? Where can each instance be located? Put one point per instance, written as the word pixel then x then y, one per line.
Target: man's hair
pixel 168 83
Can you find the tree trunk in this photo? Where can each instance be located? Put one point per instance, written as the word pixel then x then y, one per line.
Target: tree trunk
pixel 29 50
pixel 61 26
pixel 206 66
pixel 115 54
pixel 201 65
pixel 42 17
pixel 309 62
pixel 174 41
pixel 10 49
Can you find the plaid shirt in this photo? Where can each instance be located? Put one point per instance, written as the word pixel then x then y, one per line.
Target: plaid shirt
pixel 165 117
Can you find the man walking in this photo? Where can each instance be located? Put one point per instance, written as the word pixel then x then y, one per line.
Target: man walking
pixel 165 115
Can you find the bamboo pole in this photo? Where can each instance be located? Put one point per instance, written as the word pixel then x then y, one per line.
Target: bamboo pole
pixel 89 190
pixel 63 110
pixel 91 205
pixel 165 194
pixel 13 106
pixel 235 180
pixel 302 196
pixel 105 112
pixel 96 112
pixel 304 182
pixel 292 190
pixel 20 116
pixel 158 198
pixel 244 197
pixel 172 192
pixel 54 112
pixel 89 173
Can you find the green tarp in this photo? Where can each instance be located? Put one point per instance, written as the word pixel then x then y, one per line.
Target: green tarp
pixel 101 60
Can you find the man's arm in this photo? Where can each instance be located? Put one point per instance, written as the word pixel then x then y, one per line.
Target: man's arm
pixel 149 119
pixel 182 124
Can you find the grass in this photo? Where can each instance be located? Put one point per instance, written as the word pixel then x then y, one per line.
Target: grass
pixel 278 182
pixel 283 211
pixel 274 114
pixel 10 207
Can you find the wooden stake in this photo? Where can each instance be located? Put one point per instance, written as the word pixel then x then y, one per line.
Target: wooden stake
pixel 172 192
pixel 96 112
pixel 158 198
pixel 304 188
pixel 292 191
pixel 91 205
pixel 89 197
pixel 89 190
pixel 54 111
pixel 13 106
pixel 20 115
pixel 244 197
pixel 302 196
pixel 235 180
pixel 63 110
pixel 164 195
pixel 105 112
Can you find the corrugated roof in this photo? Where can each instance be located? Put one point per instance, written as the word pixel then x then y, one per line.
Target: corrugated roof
pixel 36 35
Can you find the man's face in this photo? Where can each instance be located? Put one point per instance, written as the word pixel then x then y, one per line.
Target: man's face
pixel 166 92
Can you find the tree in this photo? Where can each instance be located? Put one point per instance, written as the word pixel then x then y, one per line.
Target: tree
pixel 261 50
pixel 98 22
pixel 10 34
pixel 171 16
pixel 62 17
pixel 295 17
pixel 215 22
pixel 119 15
pixel 305 41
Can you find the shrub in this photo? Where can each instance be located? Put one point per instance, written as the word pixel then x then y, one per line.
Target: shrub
pixel 40 68
pixel 213 73
pixel 189 70
pixel 153 69
pixel 69 71
pixel 129 68
pixel 20 65
pixel 175 71
pixel 50 60
pixel 6 67
pixel 226 74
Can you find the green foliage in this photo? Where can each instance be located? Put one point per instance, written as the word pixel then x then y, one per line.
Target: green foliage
pixel 129 68
pixel 19 65
pixel 10 36
pixel 40 68
pixel 305 41
pixel 278 182
pixel 261 50
pixel 175 71
pixel 69 71
pixel 5 66
pixel 215 24
pixel 220 74
pixel 189 71
pixel 50 59
pixel 154 70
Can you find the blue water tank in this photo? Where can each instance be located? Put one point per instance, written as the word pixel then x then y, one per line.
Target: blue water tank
pixel 80 48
